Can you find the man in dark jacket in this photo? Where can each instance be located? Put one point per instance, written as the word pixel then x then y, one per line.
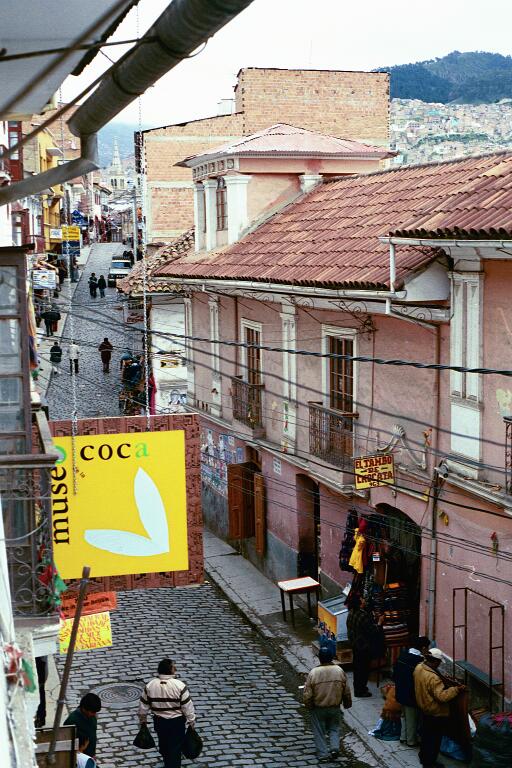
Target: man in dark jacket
pixel 84 718
pixel 102 284
pixel 403 675
pixel 362 635
pixel 56 357
pixel 105 349
pixel 93 285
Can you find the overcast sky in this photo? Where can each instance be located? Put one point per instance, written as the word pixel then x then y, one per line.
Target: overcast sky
pixel 315 34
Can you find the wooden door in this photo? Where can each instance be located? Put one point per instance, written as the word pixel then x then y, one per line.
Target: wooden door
pixel 241 500
pixel 260 518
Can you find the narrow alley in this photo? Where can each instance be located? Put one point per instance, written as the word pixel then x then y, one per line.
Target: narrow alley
pixel 247 697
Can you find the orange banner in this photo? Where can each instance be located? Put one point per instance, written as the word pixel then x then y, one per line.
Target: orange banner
pixel 95 602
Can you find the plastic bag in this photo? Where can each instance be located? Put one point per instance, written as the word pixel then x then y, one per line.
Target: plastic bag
pixel 192 744
pixel 144 739
pixel 492 745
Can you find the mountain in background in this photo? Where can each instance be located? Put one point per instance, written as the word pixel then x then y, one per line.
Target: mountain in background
pixel 466 78
pixel 123 132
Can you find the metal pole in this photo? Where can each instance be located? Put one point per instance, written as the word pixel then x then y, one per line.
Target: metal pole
pixel 86 572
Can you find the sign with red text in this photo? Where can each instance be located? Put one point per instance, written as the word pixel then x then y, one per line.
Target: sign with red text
pixel 373 471
pixel 95 602
pixel 94 631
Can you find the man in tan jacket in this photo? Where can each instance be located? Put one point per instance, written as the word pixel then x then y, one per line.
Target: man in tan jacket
pixel 326 688
pixel 433 697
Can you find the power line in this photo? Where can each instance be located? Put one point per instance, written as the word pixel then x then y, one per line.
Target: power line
pixel 471 572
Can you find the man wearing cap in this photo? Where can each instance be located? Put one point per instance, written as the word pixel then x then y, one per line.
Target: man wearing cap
pixel 326 688
pixel 432 696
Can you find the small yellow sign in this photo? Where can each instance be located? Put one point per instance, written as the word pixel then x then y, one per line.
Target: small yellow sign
pixel 94 631
pixel 129 513
pixel 70 232
pixel 373 471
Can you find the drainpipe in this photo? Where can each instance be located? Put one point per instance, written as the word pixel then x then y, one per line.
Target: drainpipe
pixel 182 27
pixel 438 481
pixel 392 275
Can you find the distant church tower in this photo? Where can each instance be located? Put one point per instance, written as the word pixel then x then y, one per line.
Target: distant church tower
pixel 116 175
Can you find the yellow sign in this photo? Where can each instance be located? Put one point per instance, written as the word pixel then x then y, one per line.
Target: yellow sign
pixel 372 471
pixel 94 631
pixel 129 513
pixel 70 232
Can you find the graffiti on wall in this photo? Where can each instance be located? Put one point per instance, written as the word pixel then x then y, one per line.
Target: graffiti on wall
pixel 217 451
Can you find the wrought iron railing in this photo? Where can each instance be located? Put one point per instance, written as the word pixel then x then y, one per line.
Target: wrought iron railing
pixel 331 435
pixel 247 399
pixel 25 487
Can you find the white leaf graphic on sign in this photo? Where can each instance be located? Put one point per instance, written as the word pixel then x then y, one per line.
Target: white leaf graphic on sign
pixel 152 516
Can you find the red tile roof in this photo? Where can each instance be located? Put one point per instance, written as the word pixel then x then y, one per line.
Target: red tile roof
pixel 133 282
pixel 330 236
pixel 480 208
pixel 283 139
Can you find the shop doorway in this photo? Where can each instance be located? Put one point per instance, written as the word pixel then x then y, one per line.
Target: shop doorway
pixel 308 524
pixel 402 558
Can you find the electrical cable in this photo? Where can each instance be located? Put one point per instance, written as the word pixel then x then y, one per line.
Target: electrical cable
pixel 307 457
pixel 445 538
pixel 421 446
pixel 471 572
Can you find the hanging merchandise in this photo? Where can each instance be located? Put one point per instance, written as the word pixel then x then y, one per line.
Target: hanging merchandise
pixel 358 558
pixel 347 545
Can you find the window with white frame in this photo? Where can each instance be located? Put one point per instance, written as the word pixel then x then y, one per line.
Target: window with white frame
pixel 251 353
pixel 465 351
pixel 338 369
pixel 465 335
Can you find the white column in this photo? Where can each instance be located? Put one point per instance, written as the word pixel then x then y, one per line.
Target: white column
pixel 210 201
pixel 189 350
pixel 216 391
pixel 309 181
pixel 236 190
pixel 289 328
pixel 199 216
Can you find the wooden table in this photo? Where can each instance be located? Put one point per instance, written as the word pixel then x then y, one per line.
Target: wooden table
pixel 302 585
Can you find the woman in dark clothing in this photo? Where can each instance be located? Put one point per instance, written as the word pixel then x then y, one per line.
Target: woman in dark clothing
pixel 105 349
pixel 102 284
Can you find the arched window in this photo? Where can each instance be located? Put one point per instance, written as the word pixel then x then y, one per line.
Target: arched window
pixel 222 204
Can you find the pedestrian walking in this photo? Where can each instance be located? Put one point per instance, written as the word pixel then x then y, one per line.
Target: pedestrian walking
pixel 403 676
pixel 102 284
pixel 74 270
pixel 105 349
pixel 325 690
pixel 74 354
pixel 51 317
pixel 56 357
pixel 363 635
pixel 168 700
pixel 433 695
pixel 93 285
pixel 84 718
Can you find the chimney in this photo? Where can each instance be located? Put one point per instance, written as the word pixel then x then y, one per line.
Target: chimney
pixel 225 107
pixel 309 181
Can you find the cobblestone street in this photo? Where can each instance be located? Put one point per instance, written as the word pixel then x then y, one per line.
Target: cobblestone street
pixel 246 695
pixel 93 319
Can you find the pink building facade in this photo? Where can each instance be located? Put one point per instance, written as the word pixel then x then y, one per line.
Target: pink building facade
pixel 287 315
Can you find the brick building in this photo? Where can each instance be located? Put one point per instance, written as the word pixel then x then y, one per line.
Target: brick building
pixel 352 105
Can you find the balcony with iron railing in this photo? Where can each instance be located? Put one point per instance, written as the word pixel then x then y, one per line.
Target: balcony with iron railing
pixel 247 403
pixel 25 488
pixel 331 435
